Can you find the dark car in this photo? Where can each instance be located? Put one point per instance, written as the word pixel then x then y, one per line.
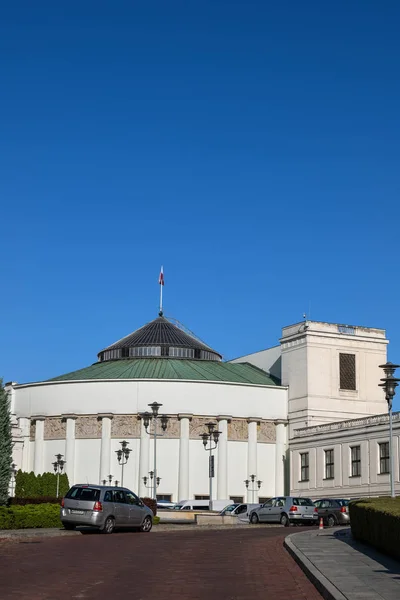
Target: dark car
pixel 334 511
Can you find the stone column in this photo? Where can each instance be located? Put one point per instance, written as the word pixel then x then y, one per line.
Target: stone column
pixel 38 458
pixel 252 455
pixel 280 453
pixel 70 447
pixel 183 474
pixel 105 448
pixel 144 460
pixel 222 481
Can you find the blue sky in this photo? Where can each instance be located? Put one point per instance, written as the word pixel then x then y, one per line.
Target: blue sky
pixel 250 147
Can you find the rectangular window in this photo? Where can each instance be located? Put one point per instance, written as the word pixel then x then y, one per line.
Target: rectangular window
pixel 304 466
pixel 329 464
pixel 384 458
pixel 263 499
pixel 202 497
pixel 164 497
pixel 236 499
pixel 347 363
pixel 355 461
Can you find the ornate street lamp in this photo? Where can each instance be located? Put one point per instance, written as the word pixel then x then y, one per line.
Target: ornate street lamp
pixel 210 442
pixel 109 480
pixel 58 466
pixel 13 478
pixel 150 422
pixel 123 457
pixel 151 478
pixel 253 488
pixel 390 384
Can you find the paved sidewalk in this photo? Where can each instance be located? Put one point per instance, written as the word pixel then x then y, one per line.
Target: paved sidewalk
pixel 343 569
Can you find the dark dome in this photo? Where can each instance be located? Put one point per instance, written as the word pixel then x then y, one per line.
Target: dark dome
pixel 159 338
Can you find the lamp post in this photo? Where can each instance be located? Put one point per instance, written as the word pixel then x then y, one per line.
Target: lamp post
pixel 390 384
pixel 123 457
pixel 151 478
pixel 13 478
pixel 58 466
pixel 208 438
pixel 109 480
pixel 252 489
pixel 150 420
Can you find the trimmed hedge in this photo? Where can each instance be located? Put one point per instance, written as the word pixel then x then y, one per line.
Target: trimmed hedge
pixel 29 485
pixel 30 516
pixel 376 521
pixel 35 500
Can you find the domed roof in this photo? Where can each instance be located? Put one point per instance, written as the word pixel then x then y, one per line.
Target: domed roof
pixel 159 338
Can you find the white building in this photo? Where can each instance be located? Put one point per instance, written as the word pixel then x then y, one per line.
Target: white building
pixel 280 412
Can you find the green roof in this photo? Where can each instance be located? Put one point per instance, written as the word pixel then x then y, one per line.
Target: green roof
pixel 170 368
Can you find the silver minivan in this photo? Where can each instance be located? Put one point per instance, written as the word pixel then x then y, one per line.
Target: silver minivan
pixel 286 510
pixel 104 507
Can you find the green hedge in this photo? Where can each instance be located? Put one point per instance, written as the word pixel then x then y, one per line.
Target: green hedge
pixel 29 485
pixel 30 516
pixel 376 521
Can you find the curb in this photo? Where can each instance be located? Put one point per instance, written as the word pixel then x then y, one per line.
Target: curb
pixel 323 585
pixel 11 534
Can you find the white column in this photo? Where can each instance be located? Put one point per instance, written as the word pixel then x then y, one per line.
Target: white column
pixel 222 481
pixel 70 447
pixel 24 425
pixel 38 458
pixel 183 475
pixel 252 455
pixel 280 453
pixel 105 449
pixel 144 460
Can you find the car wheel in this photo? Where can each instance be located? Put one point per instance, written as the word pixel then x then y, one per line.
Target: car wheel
pixel 109 525
pixel 331 521
pixel 285 520
pixel 254 519
pixel 146 525
pixel 69 526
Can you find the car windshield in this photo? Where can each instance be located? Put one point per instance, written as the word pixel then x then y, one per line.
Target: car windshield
pixel 303 502
pixel 83 493
pixel 230 508
pixel 178 506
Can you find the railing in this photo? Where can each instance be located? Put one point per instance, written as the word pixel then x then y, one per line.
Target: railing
pixel 340 425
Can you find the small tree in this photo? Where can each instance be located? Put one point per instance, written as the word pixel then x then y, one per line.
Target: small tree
pixel 5 445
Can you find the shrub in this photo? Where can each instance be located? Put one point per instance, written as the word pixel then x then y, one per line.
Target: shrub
pixel 156 520
pixel 29 485
pixel 376 521
pixel 25 517
pixel 151 503
pixel 35 500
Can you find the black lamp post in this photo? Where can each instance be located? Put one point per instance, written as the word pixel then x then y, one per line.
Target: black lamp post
pixel 13 478
pixel 210 437
pixel 390 384
pixel 109 480
pixel 151 419
pixel 123 457
pixel 253 489
pixel 58 466
pixel 151 478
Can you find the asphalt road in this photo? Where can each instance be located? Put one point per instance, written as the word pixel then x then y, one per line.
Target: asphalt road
pixel 231 564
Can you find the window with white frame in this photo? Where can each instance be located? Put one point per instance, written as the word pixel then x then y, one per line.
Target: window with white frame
pixel 329 464
pixel 304 466
pixel 383 458
pixel 355 461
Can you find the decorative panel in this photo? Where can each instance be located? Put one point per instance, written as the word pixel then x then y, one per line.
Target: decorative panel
pixel 125 426
pixel 88 427
pixel 32 431
pixel 197 426
pixel 54 428
pixel 238 430
pixel 266 432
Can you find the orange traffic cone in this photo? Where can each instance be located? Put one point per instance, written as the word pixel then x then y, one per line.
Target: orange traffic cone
pixel 321 523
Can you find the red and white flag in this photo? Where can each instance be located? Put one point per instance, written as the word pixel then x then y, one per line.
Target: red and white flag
pixel 161 278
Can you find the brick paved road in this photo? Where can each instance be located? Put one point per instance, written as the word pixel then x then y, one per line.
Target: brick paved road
pixel 248 564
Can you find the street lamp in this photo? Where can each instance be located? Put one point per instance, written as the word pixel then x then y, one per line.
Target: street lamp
pixel 212 435
pixel 390 384
pixel 150 420
pixel 253 488
pixel 123 457
pixel 58 466
pixel 13 478
pixel 109 480
pixel 151 478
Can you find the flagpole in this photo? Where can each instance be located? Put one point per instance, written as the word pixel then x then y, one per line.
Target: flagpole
pixel 161 287
pixel 161 282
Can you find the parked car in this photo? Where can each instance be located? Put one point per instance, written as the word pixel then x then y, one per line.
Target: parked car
pixel 104 507
pixel 165 504
pixel 334 511
pixel 241 511
pixel 218 505
pixel 285 510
